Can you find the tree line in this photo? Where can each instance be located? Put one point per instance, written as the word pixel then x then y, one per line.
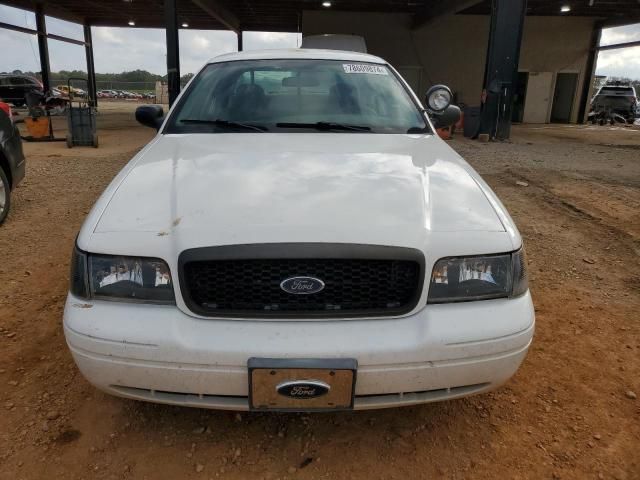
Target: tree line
pixel 134 76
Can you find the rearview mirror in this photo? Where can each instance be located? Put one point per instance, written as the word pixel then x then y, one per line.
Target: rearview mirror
pixel 150 116
pixel 448 117
pixel 299 81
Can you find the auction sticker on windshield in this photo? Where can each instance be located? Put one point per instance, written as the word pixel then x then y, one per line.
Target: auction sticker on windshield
pixel 364 68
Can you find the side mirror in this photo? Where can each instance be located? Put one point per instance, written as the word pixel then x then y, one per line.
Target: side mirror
pixel 438 98
pixel 448 117
pixel 150 116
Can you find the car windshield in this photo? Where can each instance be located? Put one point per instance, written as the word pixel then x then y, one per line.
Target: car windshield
pixel 296 96
pixel 617 91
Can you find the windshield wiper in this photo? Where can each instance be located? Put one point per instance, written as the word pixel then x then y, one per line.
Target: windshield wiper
pixel 326 126
pixel 226 123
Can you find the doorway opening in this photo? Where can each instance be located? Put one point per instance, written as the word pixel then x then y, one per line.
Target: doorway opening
pixel 563 96
pixel 519 96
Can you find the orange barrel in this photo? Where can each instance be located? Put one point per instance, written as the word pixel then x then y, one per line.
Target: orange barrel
pixel 460 123
pixel 444 133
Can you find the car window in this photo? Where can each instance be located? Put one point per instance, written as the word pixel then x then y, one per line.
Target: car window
pixel 617 91
pixel 275 94
pixel 4 81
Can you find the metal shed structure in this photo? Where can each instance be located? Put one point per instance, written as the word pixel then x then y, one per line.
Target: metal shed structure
pixel 502 52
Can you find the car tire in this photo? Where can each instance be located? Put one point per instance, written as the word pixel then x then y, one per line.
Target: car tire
pixel 5 196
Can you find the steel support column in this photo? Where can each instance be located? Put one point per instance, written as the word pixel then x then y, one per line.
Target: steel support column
pixel 589 71
pixel 91 71
pixel 501 70
pixel 173 50
pixel 239 40
pixel 43 47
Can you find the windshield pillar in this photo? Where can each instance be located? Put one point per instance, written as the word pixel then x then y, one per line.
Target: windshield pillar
pixel 173 50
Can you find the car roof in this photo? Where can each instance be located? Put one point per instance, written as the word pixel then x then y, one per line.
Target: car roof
pixel 298 54
pixel 617 88
pixel 16 75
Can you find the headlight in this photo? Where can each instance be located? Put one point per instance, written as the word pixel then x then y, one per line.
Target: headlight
pixel 463 279
pixel 439 98
pixel 121 278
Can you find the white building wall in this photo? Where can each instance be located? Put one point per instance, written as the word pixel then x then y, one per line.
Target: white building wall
pixel 452 49
pixel 557 44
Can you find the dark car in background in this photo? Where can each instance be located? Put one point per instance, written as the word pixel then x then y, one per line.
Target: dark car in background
pixel 617 99
pixel 12 162
pixel 14 88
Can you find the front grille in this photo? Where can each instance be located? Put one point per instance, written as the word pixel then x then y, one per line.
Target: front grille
pixel 352 286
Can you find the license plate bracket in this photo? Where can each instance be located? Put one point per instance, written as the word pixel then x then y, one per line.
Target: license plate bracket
pixel 301 384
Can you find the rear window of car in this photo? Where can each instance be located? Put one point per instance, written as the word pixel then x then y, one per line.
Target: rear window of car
pixel 21 81
pixel 617 91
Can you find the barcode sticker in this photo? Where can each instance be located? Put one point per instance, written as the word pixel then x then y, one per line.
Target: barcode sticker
pixel 364 68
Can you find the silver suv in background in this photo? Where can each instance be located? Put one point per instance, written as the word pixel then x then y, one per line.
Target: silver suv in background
pixel 616 99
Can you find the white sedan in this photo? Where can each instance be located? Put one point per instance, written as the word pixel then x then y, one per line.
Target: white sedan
pixel 297 238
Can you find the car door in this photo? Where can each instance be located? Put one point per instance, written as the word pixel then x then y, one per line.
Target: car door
pixel 19 87
pixel 6 89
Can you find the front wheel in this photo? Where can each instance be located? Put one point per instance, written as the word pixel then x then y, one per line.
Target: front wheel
pixel 5 196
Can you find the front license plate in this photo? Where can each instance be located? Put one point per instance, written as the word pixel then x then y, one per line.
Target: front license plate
pixel 293 385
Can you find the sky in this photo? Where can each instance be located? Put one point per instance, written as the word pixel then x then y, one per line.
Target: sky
pixel 624 62
pixel 123 49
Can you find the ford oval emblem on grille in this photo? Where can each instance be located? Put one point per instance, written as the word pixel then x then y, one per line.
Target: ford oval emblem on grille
pixel 303 389
pixel 302 285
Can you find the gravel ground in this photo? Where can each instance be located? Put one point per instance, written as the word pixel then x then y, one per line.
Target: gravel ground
pixel 570 412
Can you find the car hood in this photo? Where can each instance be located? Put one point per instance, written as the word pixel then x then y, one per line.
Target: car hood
pixel 216 189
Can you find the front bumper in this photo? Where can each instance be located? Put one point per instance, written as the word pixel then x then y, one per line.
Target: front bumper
pixel 160 354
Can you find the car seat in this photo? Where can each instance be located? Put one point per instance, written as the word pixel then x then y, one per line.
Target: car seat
pixel 247 102
pixel 342 99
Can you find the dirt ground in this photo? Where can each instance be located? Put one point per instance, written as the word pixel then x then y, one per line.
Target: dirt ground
pixel 571 411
